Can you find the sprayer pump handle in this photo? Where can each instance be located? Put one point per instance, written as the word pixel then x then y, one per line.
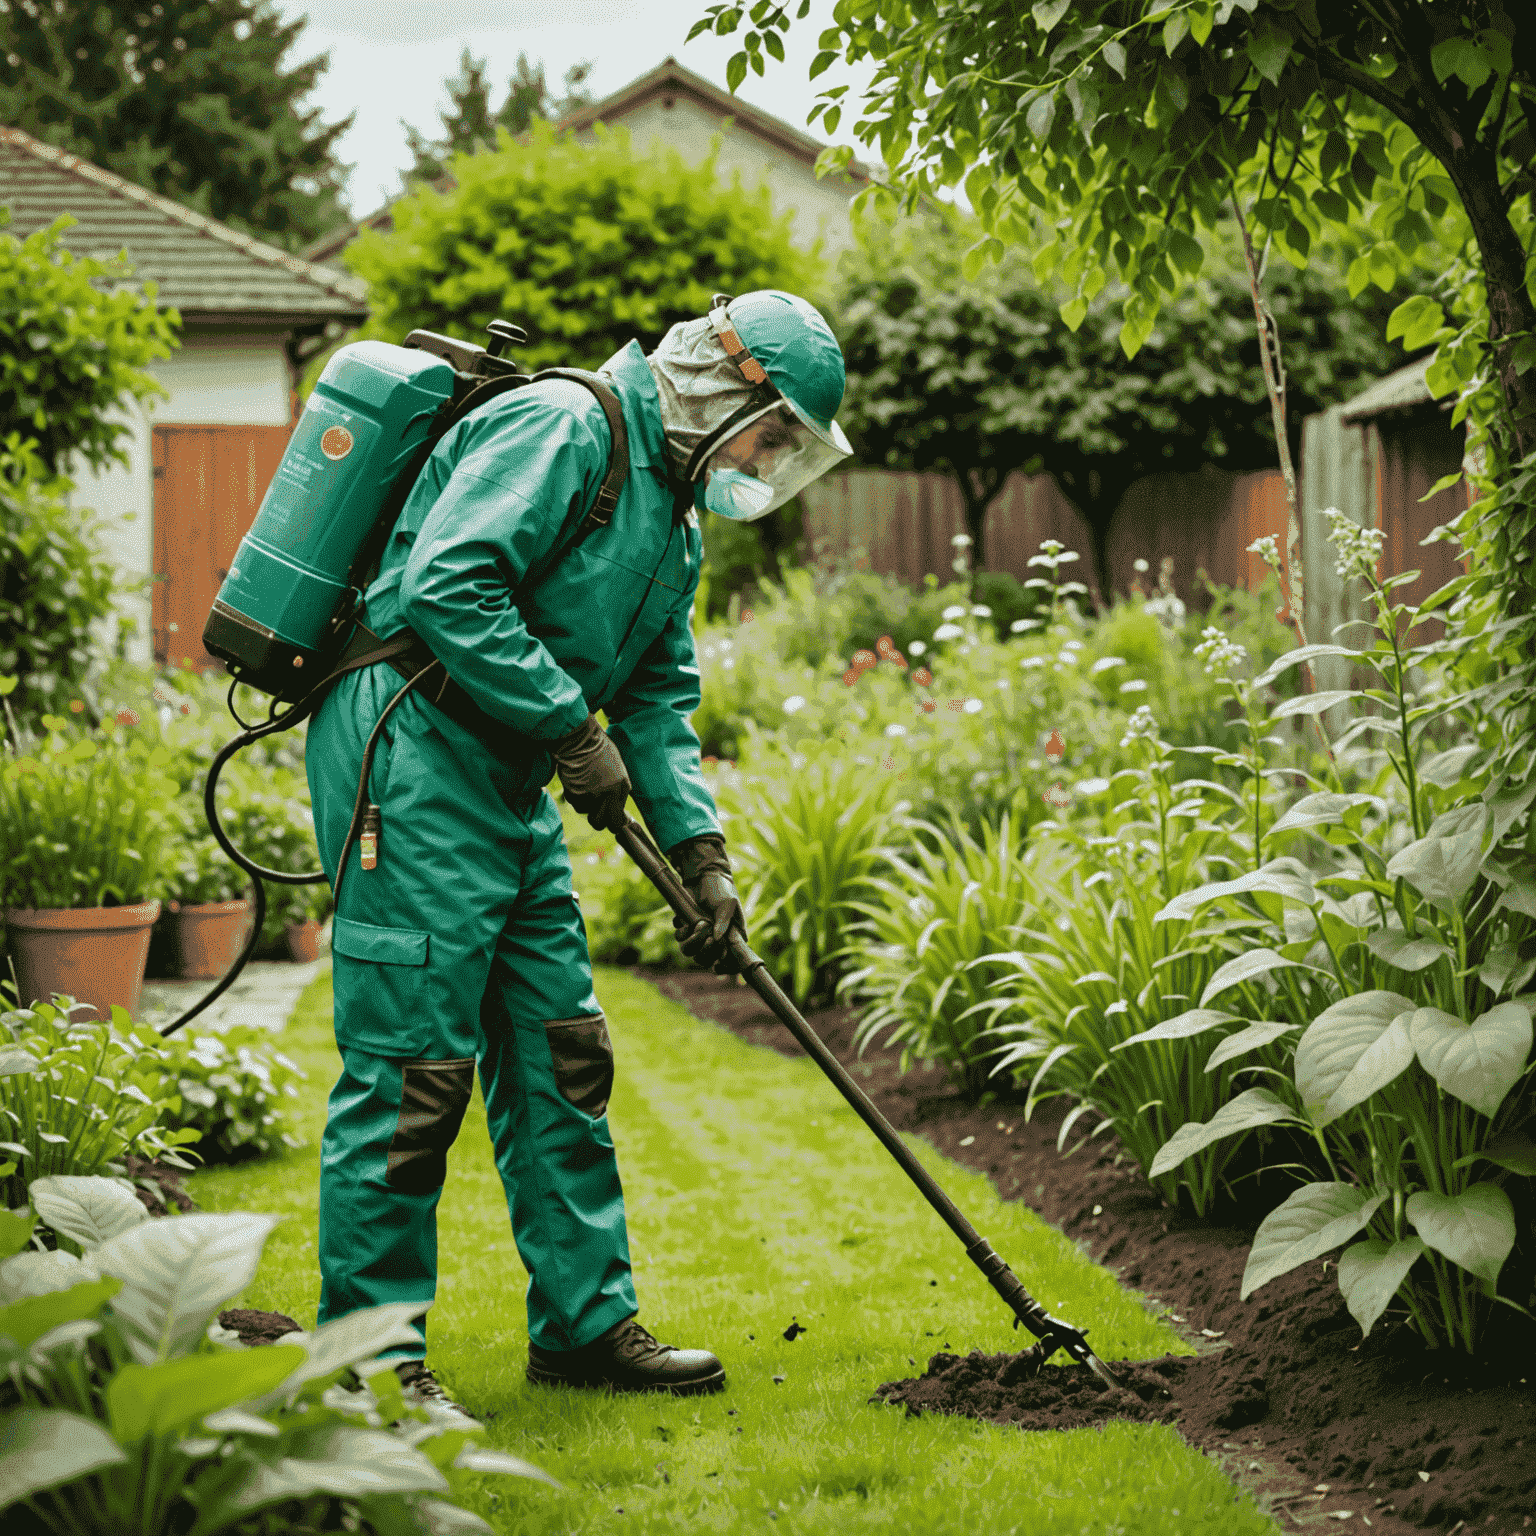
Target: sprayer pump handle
pixel 503 335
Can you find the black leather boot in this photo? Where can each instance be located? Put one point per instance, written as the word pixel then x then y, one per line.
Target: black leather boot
pixel 627 1359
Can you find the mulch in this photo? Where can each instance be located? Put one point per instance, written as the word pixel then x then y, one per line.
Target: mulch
pixel 1320 1425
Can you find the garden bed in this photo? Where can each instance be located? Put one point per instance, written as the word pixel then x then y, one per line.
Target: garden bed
pixel 1285 1394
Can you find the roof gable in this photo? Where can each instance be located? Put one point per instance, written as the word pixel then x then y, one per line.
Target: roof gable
pixel 203 268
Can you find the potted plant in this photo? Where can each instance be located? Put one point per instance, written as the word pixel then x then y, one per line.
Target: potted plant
pixel 210 913
pixel 303 913
pixel 85 820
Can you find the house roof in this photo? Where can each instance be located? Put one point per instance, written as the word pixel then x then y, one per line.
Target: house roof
pixel 1399 390
pixel 204 269
pixel 667 79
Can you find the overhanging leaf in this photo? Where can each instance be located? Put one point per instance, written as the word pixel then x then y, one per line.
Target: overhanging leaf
pixel 85 1209
pixel 1269 47
pixel 1313 703
pixel 1314 1220
pixel 1245 967
pixel 1383 1061
pixel 176 1274
pixel 1336 1039
pixel 37 1274
pixel 164 1398
pixel 1478 1062
pixel 45 1447
pixel 1407 954
pixel 1287 880
pixel 1194 1021
pixel 1370 1274
pixel 1320 810
pixel 1446 768
pixel 1253 1038
pixel 1256 1107
pixel 1513 1150
pixel 484 1458
pixel 1475 1229
pixel 1441 868
pixel 345 1341
pixel 27 1320
pixel 1295 658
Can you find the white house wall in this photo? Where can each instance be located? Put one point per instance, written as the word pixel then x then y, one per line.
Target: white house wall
pixel 212 379
pixel 817 207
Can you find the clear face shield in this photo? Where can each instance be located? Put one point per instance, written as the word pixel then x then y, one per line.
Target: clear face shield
pixel 767 461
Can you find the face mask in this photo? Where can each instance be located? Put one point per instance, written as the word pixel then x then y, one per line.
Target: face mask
pixel 741 497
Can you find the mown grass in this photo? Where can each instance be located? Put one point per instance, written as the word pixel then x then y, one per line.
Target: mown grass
pixel 756 1198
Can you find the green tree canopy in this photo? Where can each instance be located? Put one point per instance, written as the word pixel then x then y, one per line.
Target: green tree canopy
pixel 979 376
pixel 586 246
pixel 74 342
pixel 190 98
pixel 470 124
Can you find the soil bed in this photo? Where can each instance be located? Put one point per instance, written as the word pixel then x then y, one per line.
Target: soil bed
pixel 1321 1425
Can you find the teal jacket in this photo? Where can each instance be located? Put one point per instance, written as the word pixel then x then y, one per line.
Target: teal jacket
pixel 607 629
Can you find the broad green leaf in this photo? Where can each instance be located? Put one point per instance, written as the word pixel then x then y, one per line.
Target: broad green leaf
pixel 1253 1038
pixel 240 1421
pixel 1383 1061
pixel 27 1320
pixel 1194 1021
pixel 1478 1062
pixel 1519 896
pixel 1504 968
pixel 162 1399
pixel 1505 808
pixel 1370 1274
pixel 1417 320
pixel 1336 1039
pixel 1513 1150
pixel 1446 768
pixel 1269 47
pixel 346 1341
pixel 1441 868
pixel 1041 114
pixel 1314 1220
pixel 1407 954
pixel 484 1458
pixel 44 1447
pixel 1258 1106
pixel 1244 967
pixel 1291 883
pixel 1313 703
pixel 85 1209
pixel 1475 1229
pixel 1320 810
pixel 1048 12
pixel 177 1274
pixel 15 1231
pixel 1114 56
pixel 1461 56
pixel 36 1274
pixel 440 1519
pixel 1296 658
pixel 14 1060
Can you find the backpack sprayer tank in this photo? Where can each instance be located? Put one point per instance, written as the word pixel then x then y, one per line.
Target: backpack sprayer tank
pixel 364 436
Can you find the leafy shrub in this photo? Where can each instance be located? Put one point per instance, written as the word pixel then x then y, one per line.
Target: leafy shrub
pixel 806 839
pixel 627 921
pixel 232 1090
pixel 84 819
pixel 56 587
pixel 927 945
pixel 76 1097
pixel 125 1416
pixel 202 872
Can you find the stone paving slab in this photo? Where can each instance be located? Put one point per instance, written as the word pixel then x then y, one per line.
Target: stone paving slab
pixel 264 996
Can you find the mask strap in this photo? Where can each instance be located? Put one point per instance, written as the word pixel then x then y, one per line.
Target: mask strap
pixel 763 397
pixel 735 349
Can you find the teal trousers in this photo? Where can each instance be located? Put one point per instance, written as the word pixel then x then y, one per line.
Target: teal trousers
pixel 463 948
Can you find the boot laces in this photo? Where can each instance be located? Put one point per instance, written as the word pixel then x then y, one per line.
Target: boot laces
pixel 636 1341
pixel 418 1381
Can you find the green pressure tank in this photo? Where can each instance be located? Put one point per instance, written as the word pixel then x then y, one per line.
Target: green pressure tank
pixel 350 461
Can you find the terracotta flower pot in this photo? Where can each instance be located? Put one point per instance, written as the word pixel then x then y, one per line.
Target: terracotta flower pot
pixel 96 954
pixel 209 935
pixel 303 941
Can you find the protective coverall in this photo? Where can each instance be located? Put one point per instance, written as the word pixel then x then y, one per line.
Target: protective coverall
pixel 466 944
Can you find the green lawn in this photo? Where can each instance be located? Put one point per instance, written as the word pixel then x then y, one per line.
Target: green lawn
pixel 755 1196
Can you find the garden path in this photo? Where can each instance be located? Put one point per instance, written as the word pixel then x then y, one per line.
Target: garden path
pixel 264 996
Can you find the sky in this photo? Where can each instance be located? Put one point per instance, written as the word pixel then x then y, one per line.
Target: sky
pixel 390 59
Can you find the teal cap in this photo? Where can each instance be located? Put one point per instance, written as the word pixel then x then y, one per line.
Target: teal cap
pixel 796 346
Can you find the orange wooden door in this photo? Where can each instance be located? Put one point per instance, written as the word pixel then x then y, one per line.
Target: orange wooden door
pixel 209 482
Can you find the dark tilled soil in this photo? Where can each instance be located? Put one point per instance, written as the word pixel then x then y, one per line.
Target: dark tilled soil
pixel 257 1327
pixel 159 1186
pixel 1283 1394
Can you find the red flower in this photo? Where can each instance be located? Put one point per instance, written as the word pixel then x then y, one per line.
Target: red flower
pixel 852 675
pixel 929 706
pixel 186 709
pixel 746 615
pixel 1055 747
pixel 127 717
pixel 957 705
pixel 864 660
pixel 922 677
pixel 76 705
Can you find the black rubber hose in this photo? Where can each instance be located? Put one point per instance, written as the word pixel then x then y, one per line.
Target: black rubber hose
pixel 259 872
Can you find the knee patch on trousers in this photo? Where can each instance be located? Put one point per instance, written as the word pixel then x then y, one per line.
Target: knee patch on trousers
pixel 583 1058
pixel 433 1098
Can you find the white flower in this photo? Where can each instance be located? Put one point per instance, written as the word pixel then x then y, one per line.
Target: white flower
pixel 948 632
pixel 1067 658
pixel 1104 663
pixel 959 567
pixel 962 541
pixel 1027 662
pixel 794 702
pixel 1136 685
pixel 1222 654
pixel 1020 626
pixel 1142 566
pixel 1093 786
pixel 973 706
pixel 981 611
pixel 1358 549
pixel 955 611
pixel 1142 726
pixel 895 730
pixel 1267 550
pixel 917 648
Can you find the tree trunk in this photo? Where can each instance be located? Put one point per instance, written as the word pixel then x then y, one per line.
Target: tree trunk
pixel 979 488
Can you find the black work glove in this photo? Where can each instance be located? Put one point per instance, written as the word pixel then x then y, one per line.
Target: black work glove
pixel 706 872
pixel 593 775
